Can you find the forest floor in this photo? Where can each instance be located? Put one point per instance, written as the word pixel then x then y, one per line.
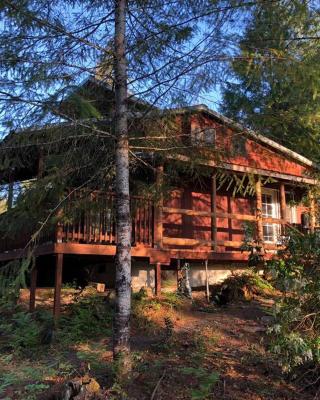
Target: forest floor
pixel 181 350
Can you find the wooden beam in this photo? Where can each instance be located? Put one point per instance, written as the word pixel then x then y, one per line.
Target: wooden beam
pixel 214 211
pixel 57 286
pixel 59 229
pixel 217 214
pixel 158 210
pixel 179 273
pixel 259 210
pixel 271 220
pixel 250 170
pixel 47 248
pixel 283 204
pixel 158 278
pixel 207 281
pixel 195 242
pixel 33 287
pixel 312 212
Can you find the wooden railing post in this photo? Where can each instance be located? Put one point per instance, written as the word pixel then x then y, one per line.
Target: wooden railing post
pixel 158 213
pixel 312 212
pixel 259 210
pixel 59 228
pixel 214 212
pixel 283 206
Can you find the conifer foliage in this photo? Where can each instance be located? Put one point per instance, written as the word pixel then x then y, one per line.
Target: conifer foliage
pixel 275 79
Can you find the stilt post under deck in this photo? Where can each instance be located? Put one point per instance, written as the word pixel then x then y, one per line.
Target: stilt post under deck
pixel 158 278
pixel 57 286
pixel 179 275
pixel 33 287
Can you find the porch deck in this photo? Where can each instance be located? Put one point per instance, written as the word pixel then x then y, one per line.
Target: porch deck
pixel 88 227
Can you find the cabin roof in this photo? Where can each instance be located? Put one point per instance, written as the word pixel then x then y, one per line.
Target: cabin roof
pixel 145 109
pixel 205 109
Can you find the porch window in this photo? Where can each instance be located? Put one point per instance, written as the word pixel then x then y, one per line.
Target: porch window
pixel 270 209
pixel 291 209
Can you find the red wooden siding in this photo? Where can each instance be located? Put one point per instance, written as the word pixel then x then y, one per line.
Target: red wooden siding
pixel 256 155
pixel 199 227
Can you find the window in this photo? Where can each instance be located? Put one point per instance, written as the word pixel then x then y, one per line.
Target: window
pixel 203 136
pixel 270 209
pixel 291 208
pixel 239 145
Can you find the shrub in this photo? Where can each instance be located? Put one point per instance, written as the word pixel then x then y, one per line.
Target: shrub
pixel 239 287
pixel 295 336
pixel 22 331
pixel 88 316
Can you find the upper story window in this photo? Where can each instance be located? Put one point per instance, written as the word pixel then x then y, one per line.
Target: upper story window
pixel 203 136
pixel 238 144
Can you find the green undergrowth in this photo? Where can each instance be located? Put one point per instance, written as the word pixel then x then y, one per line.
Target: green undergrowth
pixel 34 356
pixel 87 317
pixel 242 286
pixel 34 352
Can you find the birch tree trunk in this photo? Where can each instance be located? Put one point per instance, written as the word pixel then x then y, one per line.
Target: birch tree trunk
pixel 121 333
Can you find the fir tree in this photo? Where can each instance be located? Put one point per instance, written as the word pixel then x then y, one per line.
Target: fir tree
pixel 275 79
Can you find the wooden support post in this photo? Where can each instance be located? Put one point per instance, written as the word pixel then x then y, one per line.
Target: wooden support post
pixel 158 214
pixel 312 212
pixel 33 287
pixel 283 206
pixel 178 273
pixel 59 228
pixel 158 278
pixel 214 212
pixel 57 286
pixel 259 210
pixel 207 282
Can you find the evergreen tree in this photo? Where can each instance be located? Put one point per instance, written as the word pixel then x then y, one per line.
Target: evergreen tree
pixel 275 78
pixel 160 50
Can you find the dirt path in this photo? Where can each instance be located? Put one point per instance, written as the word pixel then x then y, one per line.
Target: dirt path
pixel 235 348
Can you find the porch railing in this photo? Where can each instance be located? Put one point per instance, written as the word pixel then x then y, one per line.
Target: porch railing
pixel 92 219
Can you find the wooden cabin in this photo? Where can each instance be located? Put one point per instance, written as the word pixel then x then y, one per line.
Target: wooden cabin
pixel 195 221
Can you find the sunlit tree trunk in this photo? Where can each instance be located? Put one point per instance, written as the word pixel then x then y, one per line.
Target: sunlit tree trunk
pixel 121 334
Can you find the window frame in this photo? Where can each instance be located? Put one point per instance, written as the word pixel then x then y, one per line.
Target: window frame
pixel 275 213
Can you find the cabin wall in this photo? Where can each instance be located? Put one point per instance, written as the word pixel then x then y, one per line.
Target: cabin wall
pixel 199 227
pixel 142 275
pixel 176 225
pixel 216 273
pixel 235 148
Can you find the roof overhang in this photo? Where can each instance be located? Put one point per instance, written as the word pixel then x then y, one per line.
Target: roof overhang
pixel 249 170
